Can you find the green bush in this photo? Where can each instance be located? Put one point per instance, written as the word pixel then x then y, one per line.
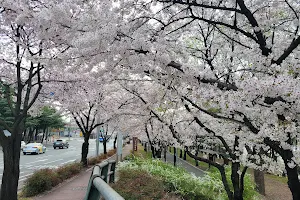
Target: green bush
pixel 68 171
pixel 138 184
pixel 44 179
pixel 41 181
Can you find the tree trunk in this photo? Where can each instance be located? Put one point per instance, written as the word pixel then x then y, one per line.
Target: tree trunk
pixel 180 155
pixel 153 151
pixel 11 154
pixel 115 142
pixel 165 154
pixel 24 135
pixel 30 135
pixel 36 134
pixel 104 146
pixel 235 179
pixel 44 132
pixel 196 161
pixel 47 134
pixel 292 174
pixel 184 155
pixel 259 179
pixel 158 153
pixel 225 182
pixel 145 146
pixel 84 152
pixel 174 156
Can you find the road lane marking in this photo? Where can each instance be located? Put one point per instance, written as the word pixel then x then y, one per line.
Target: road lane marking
pixel 37 161
pixel 52 161
pixel 24 177
pixel 68 162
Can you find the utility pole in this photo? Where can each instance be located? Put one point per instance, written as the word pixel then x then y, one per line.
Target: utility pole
pixel 119 146
pixel 97 135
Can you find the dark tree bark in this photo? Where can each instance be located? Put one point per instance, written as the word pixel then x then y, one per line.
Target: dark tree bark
pixel 174 156
pixel 235 179
pixel 11 155
pixel 165 154
pixel 153 151
pixel 24 135
pixel 292 174
pixel 44 132
pixel 115 142
pixel 158 153
pixel 104 146
pixel 180 155
pixel 259 179
pixel 196 161
pixel 85 151
pixel 184 155
pixel 30 135
pixel 145 146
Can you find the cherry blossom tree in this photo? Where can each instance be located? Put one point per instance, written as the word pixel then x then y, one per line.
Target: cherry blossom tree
pixel 37 40
pixel 240 58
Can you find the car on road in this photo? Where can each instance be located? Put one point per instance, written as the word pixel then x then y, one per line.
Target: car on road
pixel 60 144
pixel 23 144
pixel 34 148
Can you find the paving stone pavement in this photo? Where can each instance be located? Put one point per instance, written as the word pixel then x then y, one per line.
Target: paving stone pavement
pixel 75 188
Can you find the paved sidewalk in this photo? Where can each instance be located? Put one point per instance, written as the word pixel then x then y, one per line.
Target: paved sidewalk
pixel 184 164
pixel 75 188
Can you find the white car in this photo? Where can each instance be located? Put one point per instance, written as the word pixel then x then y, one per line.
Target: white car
pixel 23 144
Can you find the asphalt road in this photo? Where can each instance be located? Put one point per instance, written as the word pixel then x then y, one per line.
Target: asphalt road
pixel 53 158
pixel 182 163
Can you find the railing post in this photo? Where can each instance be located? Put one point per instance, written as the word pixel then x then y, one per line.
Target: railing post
pixel 104 172
pixel 98 187
pixel 92 192
pixel 111 174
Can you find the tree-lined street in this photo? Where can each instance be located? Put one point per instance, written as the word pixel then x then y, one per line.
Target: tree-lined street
pixel 217 76
pixel 54 158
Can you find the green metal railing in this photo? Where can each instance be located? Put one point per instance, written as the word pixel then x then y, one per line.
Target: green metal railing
pixel 98 187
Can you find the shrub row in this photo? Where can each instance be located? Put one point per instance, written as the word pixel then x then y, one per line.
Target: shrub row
pixel 138 184
pixel 98 159
pixel 44 179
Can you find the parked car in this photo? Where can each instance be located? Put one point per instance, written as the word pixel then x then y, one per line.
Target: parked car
pixel 23 144
pixel 34 148
pixel 60 144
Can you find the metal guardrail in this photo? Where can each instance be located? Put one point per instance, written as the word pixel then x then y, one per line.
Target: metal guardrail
pixel 98 187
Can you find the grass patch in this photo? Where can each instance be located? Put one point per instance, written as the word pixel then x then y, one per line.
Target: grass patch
pixel 281 179
pixel 178 180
